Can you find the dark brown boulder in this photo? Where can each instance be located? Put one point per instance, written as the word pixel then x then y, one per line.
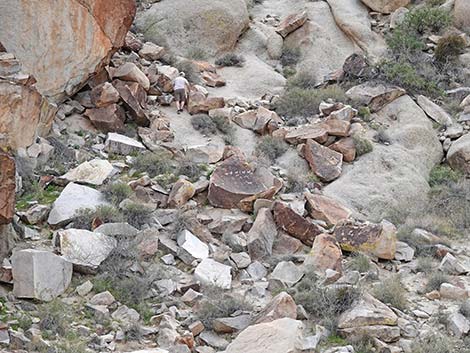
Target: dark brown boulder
pixel 324 162
pixel 108 119
pixel 7 188
pixel 134 97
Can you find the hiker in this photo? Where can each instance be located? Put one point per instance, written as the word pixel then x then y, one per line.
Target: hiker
pixel 180 87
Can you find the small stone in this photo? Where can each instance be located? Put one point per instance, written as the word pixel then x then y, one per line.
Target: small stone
pixel 84 288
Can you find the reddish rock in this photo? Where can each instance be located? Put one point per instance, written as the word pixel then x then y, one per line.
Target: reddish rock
pixel 235 183
pixel 377 239
pixel 346 147
pixel 199 103
pixel 309 132
pixel 181 193
pixel 291 23
pixel 282 305
pixel 131 42
pixel 166 75
pixel 7 188
pixel 108 119
pixel 212 79
pixel 104 94
pixel 202 66
pixel 261 121
pixel 324 208
pixel 286 245
pixel 134 97
pixel 336 127
pixel 294 224
pixel 325 254
pixel 151 51
pixel 130 72
pixel 324 162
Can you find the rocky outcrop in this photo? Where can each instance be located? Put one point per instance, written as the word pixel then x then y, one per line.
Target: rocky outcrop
pixel 90 30
pixel 211 25
pixel 459 154
pixel 392 178
pixel 7 188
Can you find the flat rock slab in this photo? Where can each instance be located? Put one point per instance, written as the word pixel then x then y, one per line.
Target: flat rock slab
pixel 123 145
pixel 71 199
pixel 93 172
pixel 40 274
pixel 213 273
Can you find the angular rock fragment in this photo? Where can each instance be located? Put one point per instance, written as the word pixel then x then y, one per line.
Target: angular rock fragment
pixel 191 248
pixel 385 6
pixel 325 208
pixel 262 235
pixel 108 119
pixel 281 306
pixel 346 147
pixel 7 187
pixel 375 96
pixel 213 273
pixel 130 72
pixel 121 144
pixel 93 172
pixel 104 95
pixel 325 254
pixel 291 23
pixel 181 192
pixel 199 103
pixel 458 155
pixel 324 162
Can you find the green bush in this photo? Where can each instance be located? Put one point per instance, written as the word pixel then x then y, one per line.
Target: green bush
pixel 359 262
pixel 402 41
pixel 305 102
pixel 55 318
pixel 438 343
pixel 425 264
pixel 84 217
pixel 362 144
pixel 302 79
pixel 204 124
pixel 230 59
pixel 136 214
pixel 290 56
pixel 383 137
pixel 116 192
pixel 427 19
pixel 189 168
pixel 152 163
pixel 271 147
pixel 449 48
pixel 391 291
pixel 443 174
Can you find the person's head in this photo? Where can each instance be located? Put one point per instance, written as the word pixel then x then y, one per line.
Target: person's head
pixel 182 74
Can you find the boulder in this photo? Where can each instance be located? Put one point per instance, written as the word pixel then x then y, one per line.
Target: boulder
pixel 40 274
pixel 104 95
pixel 7 187
pixel 84 249
pixel 209 154
pixel 231 324
pixel 135 98
pixel 294 224
pixel 392 178
pixel 324 162
pixel 121 144
pixel 212 79
pixel 281 306
pixel 462 14
pixel 375 96
pixel 279 336
pixel 71 199
pixel 181 192
pixel 325 254
pixel 64 63
pixel 93 172
pixel 377 239
pixel 458 325
pixel 286 273
pixel 434 111
pixel 291 23
pixel 458 155
pixel 336 127
pixel 108 119
pixel 307 132
pixel 236 183
pixel 191 248
pixel 213 26
pixel 213 273
pixel 346 147
pixel 262 235
pixel 404 252
pixel 385 6
pixel 324 208
pixel 151 51
pixel 130 72
pixel 450 264
pixel 199 103
pixel 261 121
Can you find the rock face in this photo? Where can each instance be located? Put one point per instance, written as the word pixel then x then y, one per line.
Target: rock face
pixel 435 112
pixel 235 183
pixel 7 188
pixel 392 178
pixel 211 25
pixel 375 96
pixel 62 63
pixel 459 154
pixel 40 274
pixel 462 14
pixel 385 6
pixel 279 336
pixel 72 198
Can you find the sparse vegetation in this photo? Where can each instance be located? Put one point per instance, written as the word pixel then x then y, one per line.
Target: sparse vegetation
pixel 190 70
pixel 196 53
pixel 230 59
pixel 290 56
pixel 85 217
pixel 116 192
pixel 438 343
pixel 44 196
pixel 383 137
pixel 449 48
pixel 443 174
pixel 391 291
pixel 435 280
pixel 204 124
pixel 425 264
pixel 54 318
pixel 152 163
pixel 362 144
pixel 303 79
pixel 271 147
pixel 359 262
pixel 136 214
pixel 189 169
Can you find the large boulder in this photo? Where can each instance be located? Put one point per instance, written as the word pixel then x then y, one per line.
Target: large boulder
pixel 392 178
pixel 211 25
pixel 325 254
pixel 39 274
pixel 279 336
pixel 324 162
pixel 459 154
pixel 385 6
pixel 61 43
pixel 462 13
pixel 7 188
pixel 93 172
pixel 236 183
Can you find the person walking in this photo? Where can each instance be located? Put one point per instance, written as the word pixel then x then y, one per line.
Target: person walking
pixel 180 88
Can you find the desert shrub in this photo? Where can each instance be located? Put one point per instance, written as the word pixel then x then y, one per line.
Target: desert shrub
pixel 364 113
pixel 55 318
pixel 364 344
pixel 465 308
pixel 219 304
pixel 196 53
pixel 35 192
pixel 230 59
pixel 305 102
pixel 435 280
pixel 391 291
pixel 204 124
pixel 383 137
pixel 427 19
pixel 226 128
pixel 271 147
pixel 116 192
pixel 438 343
pixel 404 42
pixel 359 262
pixel 136 214
pixel 188 168
pixel 288 71
pixel 84 217
pixel 449 47
pixel 133 332
pixel 443 174
pixel 152 163
pixel 303 79
pixel 425 264
pixel 290 56
pixel 324 302
pixel 362 144
pixel 190 70
pixel 295 183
